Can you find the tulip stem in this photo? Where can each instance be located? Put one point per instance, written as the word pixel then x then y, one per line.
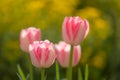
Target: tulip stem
pixel 69 73
pixel 79 74
pixel 86 72
pixel 57 71
pixel 30 68
pixel 42 74
pixel 31 71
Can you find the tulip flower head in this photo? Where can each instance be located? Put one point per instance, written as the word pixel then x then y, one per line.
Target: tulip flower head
pixel 74 30
pixel 42 54
pixel 63 54
pixel 28 36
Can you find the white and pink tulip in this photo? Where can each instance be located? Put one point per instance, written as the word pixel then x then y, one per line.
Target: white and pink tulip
pixel 28 36
pixel 74 30
pixel 63 54
pixel 42 54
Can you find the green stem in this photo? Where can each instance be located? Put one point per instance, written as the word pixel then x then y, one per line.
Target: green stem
pixel 69 73
pixel 86 72
pixel 79 74
pixel 30 68
pixel 42 74
pixel 57 71
pixel 31 71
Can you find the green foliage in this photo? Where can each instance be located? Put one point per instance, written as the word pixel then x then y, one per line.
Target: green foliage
pixel 20 73
pixel 100 49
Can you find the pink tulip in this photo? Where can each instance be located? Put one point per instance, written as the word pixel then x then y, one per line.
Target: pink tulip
pixel 27 36
pixel 42 54
pixel 63 54
pixel 74 30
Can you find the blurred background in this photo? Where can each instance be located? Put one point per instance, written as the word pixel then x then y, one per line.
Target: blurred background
pixel 100 49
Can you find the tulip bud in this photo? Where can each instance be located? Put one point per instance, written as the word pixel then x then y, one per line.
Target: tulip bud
pixel 74 30
pixel 63 54
pixel 42 54
pixel 27 36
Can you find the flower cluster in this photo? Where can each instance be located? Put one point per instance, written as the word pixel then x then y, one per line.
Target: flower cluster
pixel 44 53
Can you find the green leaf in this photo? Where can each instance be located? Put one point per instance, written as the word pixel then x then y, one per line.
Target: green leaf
pixel 80 74
pixel 27 77
pixel 21 74
pixel 86 72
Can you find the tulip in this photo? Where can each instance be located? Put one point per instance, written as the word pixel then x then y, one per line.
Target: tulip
pixel 42 54
pixel 63 54
pixel 74 30
pixel 27 36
